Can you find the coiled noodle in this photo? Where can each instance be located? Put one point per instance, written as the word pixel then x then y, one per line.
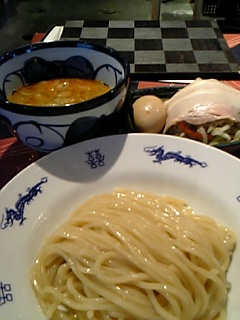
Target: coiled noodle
pixel 129 255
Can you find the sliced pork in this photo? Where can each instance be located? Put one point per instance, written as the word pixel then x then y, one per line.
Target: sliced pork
pixel 205 110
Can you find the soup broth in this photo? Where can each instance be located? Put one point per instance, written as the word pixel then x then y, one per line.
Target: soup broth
pixel 58 92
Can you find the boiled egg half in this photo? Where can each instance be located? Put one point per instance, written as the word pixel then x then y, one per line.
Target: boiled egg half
pixel 149 113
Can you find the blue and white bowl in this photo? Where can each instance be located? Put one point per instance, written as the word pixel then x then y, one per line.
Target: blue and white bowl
pixel 45 128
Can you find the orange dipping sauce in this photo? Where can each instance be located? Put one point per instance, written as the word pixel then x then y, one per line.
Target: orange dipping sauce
pixel 58 92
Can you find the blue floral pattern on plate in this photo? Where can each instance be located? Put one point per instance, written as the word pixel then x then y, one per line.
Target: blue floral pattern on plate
pixel 161 155
pixel 18 214
pixel 5 293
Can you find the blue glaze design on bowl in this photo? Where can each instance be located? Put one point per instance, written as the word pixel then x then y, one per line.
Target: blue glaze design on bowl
pixel 18 214
pixel 161 155
pixel 38 131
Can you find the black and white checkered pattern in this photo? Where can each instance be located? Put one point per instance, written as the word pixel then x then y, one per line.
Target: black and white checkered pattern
pixel 189 47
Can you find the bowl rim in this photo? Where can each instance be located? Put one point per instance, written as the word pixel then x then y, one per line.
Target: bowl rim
pixel 73 108
pixel 227 144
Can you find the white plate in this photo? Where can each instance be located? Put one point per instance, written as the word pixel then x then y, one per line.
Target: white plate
pixel 43 195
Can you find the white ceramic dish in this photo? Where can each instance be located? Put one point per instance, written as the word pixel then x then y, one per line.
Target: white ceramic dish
pixel 41 197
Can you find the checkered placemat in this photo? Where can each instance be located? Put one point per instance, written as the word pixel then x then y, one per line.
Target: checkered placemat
pixel 175 47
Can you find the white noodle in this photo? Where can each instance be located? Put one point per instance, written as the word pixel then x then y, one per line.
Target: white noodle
pixel 128 255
